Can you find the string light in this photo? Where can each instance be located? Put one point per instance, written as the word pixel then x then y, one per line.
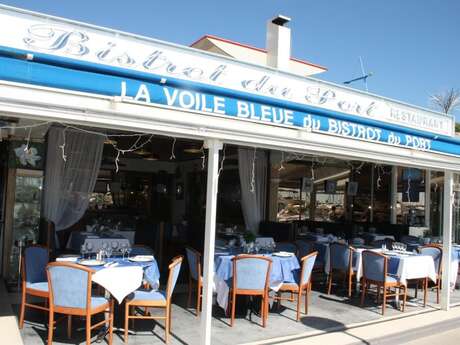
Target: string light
pixel 253 174
pixel 173 156
pixel 221 168
pixel 281 162
pixel 62 147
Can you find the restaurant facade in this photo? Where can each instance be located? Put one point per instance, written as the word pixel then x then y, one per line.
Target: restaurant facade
pixel 304 154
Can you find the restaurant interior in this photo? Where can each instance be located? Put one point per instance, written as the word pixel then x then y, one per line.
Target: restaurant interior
pixel 150 191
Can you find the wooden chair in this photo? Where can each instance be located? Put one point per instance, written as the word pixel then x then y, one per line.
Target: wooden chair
pixel 303 282
pixel 251 275
pixel 70 294
pixel 33 276
pixel 375 271
pixel 435 251
pixel 154 299
pixel 195 275
pixel 341 261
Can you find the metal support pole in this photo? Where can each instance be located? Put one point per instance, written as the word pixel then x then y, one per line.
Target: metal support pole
pixel 371 214
pixel 427 197
pixel 394 194
pixel 213 146
pixel 447 238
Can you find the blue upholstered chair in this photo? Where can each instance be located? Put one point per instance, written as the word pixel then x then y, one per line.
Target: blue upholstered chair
pixel 139 249
pixel 375 272
pixel 154 299
pixel 435 251
pixel 195 276
pixel 303 248
pixel 286 247
pixel 341 261
pixel 251 278
pixel 303 282
pixel 33 275
pixel 70 294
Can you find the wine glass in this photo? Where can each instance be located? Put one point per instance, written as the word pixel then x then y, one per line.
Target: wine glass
pixel 128 250
pixel 83 250
pixel 114 246
pixel 89 248
pixel 108 252
pixel 124 249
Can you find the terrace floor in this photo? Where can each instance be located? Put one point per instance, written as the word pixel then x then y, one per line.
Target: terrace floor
pixel 326 312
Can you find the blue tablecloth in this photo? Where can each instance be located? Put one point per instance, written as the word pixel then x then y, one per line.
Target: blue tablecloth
pixel 284 269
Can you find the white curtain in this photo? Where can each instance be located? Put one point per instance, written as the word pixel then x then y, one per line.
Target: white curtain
pixel 253 191
pixel 68 184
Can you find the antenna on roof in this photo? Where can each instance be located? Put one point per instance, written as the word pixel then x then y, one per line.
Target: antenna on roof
pixel 363 77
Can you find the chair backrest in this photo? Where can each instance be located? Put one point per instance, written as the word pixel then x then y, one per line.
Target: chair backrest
pixel 286 247
pixel 340 256
pixel 322 249
pixel 139 249
pixel 307 262
pixel 436 253
pixel 34 264
pixel 70 285
pixel 303 248
pixel 375 266
pixel 194 263
pixel 358 241
pixel 251 272
pixel 174 270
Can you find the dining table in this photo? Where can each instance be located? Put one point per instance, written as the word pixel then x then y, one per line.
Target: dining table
pixel 121 276
pixel 285 267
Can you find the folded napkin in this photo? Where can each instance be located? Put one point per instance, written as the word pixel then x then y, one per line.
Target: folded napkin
pixel 143 257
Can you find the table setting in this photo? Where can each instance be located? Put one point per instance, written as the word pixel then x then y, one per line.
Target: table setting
pixel 285 266
pixel 120 276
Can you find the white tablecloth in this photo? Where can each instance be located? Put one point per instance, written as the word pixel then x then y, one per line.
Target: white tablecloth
pixel 119 281
pixel 416 267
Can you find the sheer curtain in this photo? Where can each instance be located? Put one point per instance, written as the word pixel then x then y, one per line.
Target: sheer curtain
pixel 68 184
pixel 252 201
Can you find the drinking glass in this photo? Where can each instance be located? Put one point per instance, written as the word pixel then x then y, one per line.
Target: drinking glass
pixel 83 251
pixel 124 249
pixel 108 252
pixel 114 246
pixel 89 248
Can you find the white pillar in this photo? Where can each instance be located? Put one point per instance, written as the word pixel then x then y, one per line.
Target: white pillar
pixel 371 215
pixel 447 238
pixel 213 147
pixel 394 194
pixel 427 197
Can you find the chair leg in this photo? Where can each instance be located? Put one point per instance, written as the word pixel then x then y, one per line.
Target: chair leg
pixel 378 293
pixel 416 288
pixel 384 299
pixel 126 322
pixel 167 320
pixel 111 322
pixel 329 283
pixel 262 309
pixel 198 298
pixel 363 291
pixel 69 326
pixel 50 328
pixel 88 330
pixel 265 307
pixel 299 303
pixel 425 290
pixel 23 307
pixel 350 276
pixel 189 299
pixel 404 298
pixel 232 316
pixel 307 292
pixel 438 287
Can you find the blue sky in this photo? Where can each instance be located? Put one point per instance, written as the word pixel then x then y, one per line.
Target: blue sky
pixel 411 46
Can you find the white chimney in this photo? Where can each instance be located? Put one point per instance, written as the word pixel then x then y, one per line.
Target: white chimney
pixel 278 43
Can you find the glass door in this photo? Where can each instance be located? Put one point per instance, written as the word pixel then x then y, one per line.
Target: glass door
pixel 25 218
